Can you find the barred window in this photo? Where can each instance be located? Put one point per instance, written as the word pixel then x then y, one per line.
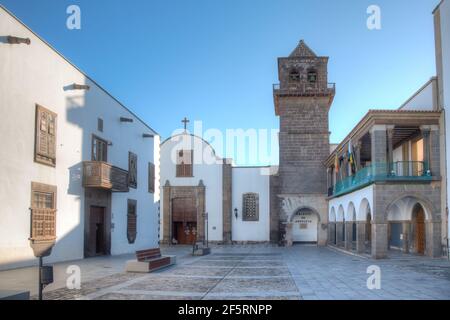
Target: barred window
pixel 131 221
pixel 250 207
pixel 45 136
pixel 43 211
pixel 184 163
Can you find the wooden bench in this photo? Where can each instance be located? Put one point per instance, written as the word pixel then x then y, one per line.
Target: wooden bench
pixel 149 260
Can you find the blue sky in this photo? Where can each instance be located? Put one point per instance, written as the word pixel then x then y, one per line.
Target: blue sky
pixel 216 60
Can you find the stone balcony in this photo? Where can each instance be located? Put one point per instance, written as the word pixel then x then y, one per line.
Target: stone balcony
pixel 102 175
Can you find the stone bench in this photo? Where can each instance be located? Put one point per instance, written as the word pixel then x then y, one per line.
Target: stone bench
pixel 149 260
pixel 199 249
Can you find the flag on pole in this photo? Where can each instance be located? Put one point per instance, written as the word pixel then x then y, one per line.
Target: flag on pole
pixel 336 163
pixel 351 157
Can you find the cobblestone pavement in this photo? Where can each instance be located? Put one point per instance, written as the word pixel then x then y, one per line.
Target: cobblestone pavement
pixel 270 272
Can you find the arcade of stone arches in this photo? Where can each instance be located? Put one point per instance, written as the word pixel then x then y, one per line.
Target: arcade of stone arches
pixel 408 222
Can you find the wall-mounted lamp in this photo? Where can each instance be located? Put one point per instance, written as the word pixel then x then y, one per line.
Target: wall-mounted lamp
pixel 110 143
pixel 236 212
pixel 147 135
pixel 17 40
pixel 123 119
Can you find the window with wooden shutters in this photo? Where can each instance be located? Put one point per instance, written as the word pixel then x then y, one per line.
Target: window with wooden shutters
pixel 131 221
pixel 250 207
pixel 99 149
pixel 132 170
pixel 185 162
pixel 43 212
pixel 151 177
pixel 45 136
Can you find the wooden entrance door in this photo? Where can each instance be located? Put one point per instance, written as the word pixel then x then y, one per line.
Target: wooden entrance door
pixel 420 231
pixel 184 220
pixel 97 238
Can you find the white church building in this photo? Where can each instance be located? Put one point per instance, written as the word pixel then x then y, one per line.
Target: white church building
pixel 78 167
pixel 205 197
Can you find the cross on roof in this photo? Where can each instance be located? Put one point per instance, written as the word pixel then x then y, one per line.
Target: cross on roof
pixel 185 122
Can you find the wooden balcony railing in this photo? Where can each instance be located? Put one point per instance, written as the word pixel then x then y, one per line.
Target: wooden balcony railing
pixel 102 175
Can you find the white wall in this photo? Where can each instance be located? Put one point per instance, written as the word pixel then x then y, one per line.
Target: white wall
pixel 356 198
pixel 35 73
pixel 444 11
pixel 251 180
pixel 207 167
pixel 423 99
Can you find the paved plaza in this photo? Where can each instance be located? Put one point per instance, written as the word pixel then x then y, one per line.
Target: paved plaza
pixel 249 272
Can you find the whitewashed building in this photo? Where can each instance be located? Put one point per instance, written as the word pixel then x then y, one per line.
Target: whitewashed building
pixel 78 167
pixel 442 40
pixel 205 197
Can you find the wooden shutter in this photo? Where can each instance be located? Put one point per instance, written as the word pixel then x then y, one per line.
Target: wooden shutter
pixel 45 146
pixel 151 177
pixel 185 160
pixel 43 212
pixel 132 170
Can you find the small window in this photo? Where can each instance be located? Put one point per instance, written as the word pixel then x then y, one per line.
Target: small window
pixel 184 163
pixel 294 75
pixel 99 149
pixel 250 207
pixel 132 170
pixel 312 76
pixel 45 136
pixel 43 212
pixel 151 177
pixel 131 220
pixel 100 124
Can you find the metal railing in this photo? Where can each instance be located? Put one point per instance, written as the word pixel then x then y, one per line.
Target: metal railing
pixel 397 171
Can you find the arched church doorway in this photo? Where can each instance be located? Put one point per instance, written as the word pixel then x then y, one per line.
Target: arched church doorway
pixel 304 226
pixel 184 220
pixel 418 221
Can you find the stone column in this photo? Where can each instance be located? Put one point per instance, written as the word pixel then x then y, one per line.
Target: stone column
pixel 379 240
pixel 348 235
pixel 390 149
pixel 378 147
pixel 331 232
pixel 360 237
pixel 433 245
pixel 339 234
pixel 227 200
pixel 358 154
pixel 289 239
pixel 200 190
pixel 406 226
pixel 426 146
pixel 166 215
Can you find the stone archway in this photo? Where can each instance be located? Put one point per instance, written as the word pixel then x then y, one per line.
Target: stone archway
pixel 414 226
pixel 305 225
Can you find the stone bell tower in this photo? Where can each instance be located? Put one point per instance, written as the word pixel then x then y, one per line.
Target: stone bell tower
pixel 302 101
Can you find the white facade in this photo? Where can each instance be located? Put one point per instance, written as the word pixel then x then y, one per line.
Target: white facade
pixel 353 206
pixel 254 180
pixel 442 37
pixel 37 74
pixel 207 168
pixel 426 98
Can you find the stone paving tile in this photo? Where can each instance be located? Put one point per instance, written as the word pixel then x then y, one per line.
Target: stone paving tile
pixel 269 272
pixel 193 271
pixel 255 285
pixel 275 272
pixel 163 283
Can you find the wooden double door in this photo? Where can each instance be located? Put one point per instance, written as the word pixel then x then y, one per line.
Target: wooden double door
pixel 184 220
pixel 420 231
